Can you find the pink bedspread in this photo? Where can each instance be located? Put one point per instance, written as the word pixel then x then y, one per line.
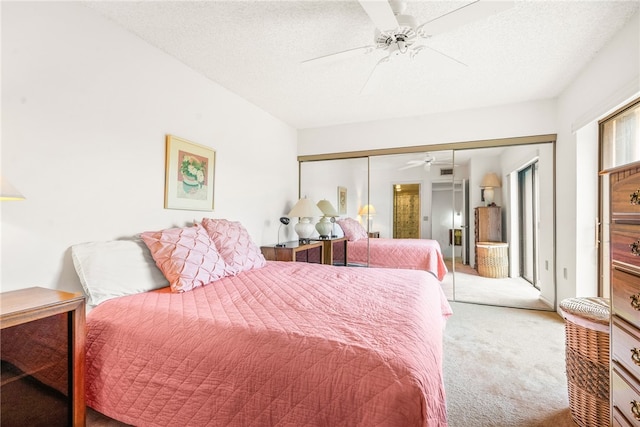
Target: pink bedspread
pixel 414 254
pixel 290 344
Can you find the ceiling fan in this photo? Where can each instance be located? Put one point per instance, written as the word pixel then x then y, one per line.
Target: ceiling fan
pixel 397 34
pixel 426 162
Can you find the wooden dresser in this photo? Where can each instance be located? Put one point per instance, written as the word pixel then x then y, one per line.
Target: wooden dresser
pixel 488 226
pixel 625 294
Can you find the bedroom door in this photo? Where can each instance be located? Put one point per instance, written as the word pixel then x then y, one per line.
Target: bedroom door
pixel 406 211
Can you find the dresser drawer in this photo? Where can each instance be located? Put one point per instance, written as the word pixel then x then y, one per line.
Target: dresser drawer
pixel 625 295
pixel 625 244
pixel 626 398
pixel 625 198
pixel 619 420
pixel 626 346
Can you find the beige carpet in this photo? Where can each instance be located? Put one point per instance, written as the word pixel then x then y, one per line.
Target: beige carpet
pixel 467 286
pixel 505 367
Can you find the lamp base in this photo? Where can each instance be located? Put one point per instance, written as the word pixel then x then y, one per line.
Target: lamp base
pixel 304 241
pixel 304 229
pixel 281 245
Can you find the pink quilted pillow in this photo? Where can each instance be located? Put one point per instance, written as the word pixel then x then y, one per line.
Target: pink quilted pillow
pixel 186 256
pixel 235 244
pixel 353 230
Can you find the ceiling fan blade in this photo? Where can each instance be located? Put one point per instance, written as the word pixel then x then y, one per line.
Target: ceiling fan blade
pixel 446 56
pixel 475 11
pixel 374 79
pixel 380 13
pixel 337 56
pixel 409 166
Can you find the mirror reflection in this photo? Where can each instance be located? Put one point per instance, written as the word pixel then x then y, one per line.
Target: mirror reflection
pixel 487 211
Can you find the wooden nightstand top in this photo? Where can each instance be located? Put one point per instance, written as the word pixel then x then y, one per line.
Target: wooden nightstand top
pixel 289 251
pixel 30 303
pixel 295 244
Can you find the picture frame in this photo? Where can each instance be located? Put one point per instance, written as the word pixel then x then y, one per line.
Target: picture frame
pixel 342 200
pixel 189 175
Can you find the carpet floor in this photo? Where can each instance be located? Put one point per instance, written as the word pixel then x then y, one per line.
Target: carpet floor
pixel 465 285
pixel 505 367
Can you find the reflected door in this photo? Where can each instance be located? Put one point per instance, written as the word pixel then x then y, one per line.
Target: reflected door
pixel 406 211
pixel 529 214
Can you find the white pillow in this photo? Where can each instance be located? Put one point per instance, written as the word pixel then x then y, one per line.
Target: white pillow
pixel 115 268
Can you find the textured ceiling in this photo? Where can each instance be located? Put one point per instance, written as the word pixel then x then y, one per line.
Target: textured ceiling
pixel 255 49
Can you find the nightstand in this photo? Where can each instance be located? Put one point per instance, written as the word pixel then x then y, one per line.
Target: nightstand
pixel 335 250
pixel 295 251
pixel 43 357
pixel 374 234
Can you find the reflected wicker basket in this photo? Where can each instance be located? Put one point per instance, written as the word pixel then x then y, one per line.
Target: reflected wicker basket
pixel 493 259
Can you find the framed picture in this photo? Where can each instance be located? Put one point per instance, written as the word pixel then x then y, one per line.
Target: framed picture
pixel 189 175
pixel 342 200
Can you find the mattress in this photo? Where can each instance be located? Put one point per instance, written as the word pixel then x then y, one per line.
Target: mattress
pixel 289 344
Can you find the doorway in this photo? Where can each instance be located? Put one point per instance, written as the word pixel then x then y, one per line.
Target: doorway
pixel 406 211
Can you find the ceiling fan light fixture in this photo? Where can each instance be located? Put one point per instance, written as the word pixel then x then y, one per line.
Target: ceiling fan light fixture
pixel 402 46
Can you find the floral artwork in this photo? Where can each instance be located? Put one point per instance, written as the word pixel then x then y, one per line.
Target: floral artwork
pixel 342 200
pixel 189 175
pixel 193 176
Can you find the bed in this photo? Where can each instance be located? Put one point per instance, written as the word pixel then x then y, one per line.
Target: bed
pixel 414 254
pixel 279 343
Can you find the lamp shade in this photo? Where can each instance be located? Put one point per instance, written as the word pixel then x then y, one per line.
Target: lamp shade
pixel 8 192
pixel 305 208
pixel 327 208
pixel 367 210
pixel 490 180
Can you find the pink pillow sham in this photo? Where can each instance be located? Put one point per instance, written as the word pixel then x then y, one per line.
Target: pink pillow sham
pixel 186 256
pixel 235 244
pixel 352 229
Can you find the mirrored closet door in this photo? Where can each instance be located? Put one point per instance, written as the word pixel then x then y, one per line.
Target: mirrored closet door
pixel 490 209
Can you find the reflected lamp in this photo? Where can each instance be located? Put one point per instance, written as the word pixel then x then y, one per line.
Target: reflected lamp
pixel 369 211
pixel 489 182
pixel 325 225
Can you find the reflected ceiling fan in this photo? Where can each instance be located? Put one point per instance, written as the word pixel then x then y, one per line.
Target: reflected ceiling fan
pixel 397 34
pixel 426 162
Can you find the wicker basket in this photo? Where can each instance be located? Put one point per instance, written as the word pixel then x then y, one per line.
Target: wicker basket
pixel 587 355
pixel 493 259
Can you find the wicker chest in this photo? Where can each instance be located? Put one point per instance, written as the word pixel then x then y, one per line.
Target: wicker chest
pixel 625 295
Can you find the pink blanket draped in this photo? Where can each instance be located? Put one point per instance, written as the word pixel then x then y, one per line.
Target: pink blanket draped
pixel 290 344
pixel 413 254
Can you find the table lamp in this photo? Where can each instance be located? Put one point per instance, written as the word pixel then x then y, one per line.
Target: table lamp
pixel 304 209
pixel 8 192
pixel 283 221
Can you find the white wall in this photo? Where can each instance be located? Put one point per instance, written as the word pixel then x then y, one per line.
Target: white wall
pixel 529 118
pixel 611 78
pixel 85 110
